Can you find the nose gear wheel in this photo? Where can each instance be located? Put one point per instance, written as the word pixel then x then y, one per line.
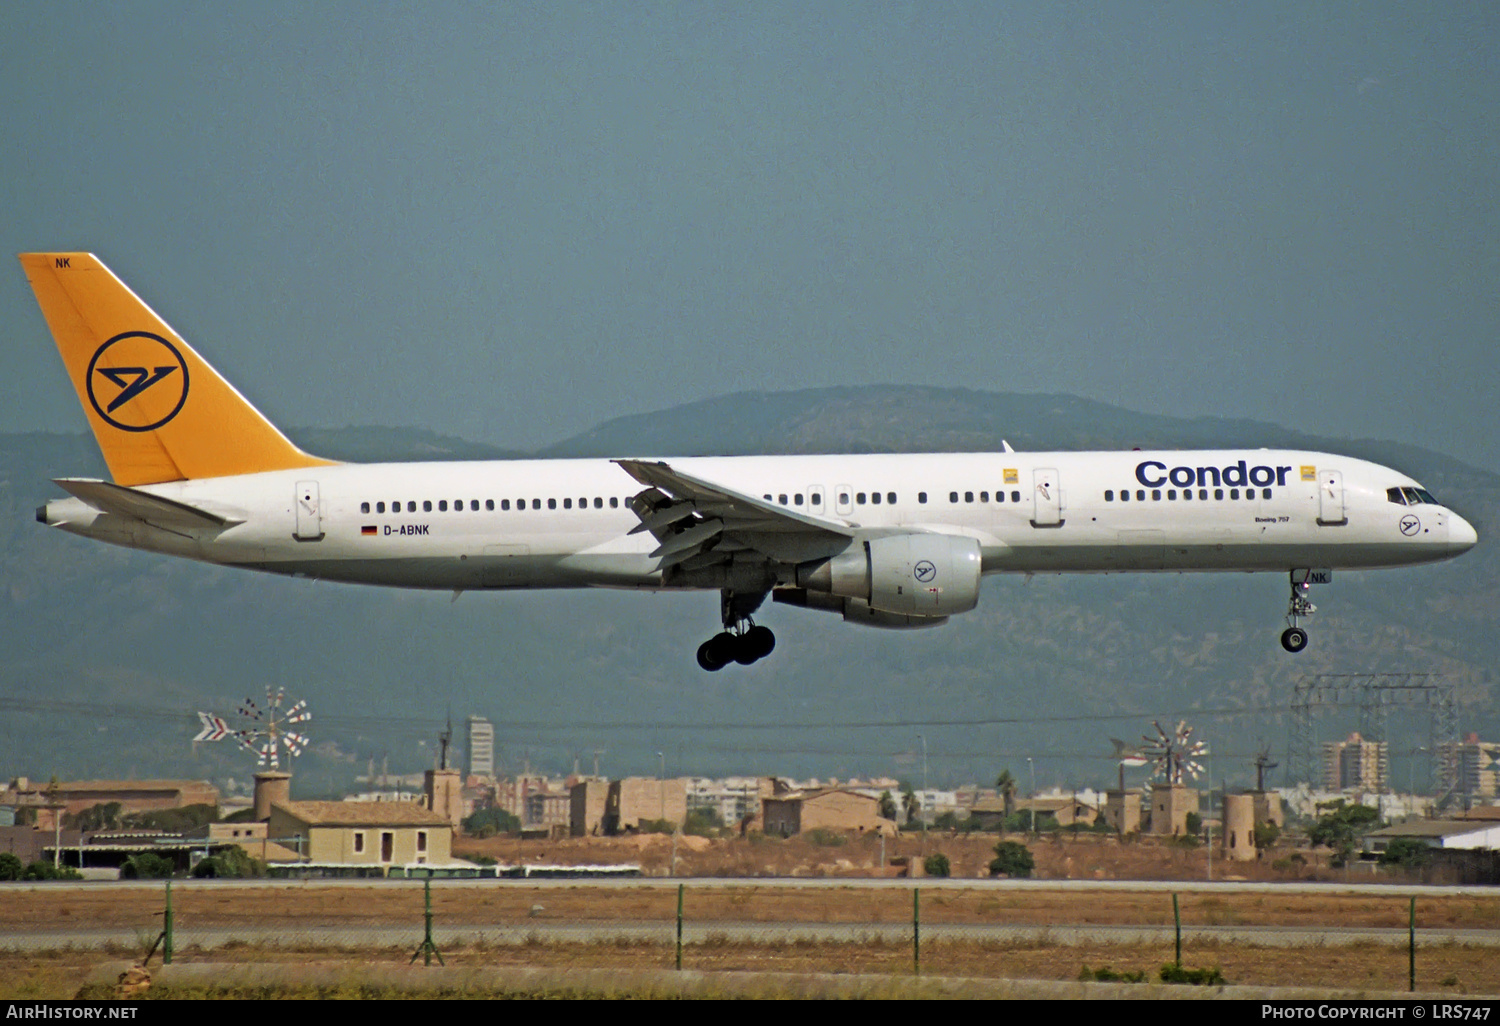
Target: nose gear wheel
pixel 1294 638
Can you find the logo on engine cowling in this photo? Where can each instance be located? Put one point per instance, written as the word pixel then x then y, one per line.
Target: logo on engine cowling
pixel 925 571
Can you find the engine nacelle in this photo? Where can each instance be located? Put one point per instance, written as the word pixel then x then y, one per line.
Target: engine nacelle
pixel 924 575
pixel 853 610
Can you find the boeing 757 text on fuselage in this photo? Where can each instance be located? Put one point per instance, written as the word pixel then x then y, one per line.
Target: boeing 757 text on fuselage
pixel 897 540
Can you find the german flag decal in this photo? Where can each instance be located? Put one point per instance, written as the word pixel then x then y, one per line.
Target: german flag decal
pixel 368 529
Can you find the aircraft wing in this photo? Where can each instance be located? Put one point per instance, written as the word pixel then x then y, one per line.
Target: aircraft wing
pixel 131 502
pixel 698 522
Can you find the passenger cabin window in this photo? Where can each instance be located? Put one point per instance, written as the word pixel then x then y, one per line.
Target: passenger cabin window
pixel 860 498
pixel 364 507
pixel 952 496
pixel 426 505
pixel 442 505
pixel 922 498
pixel 890 498
pixel 1109 495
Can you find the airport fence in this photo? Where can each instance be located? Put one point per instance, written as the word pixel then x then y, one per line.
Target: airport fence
pixel 1278 936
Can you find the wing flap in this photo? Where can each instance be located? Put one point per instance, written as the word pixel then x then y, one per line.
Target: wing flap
pixel 131 502
pixel 738 510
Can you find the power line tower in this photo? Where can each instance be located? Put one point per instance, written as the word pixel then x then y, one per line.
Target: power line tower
pixel 1375 694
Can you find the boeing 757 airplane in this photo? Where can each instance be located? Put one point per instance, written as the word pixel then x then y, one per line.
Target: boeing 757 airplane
pixel 886 541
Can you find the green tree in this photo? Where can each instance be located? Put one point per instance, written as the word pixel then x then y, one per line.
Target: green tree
pixel 1012 859
pixel 705 822
pixel 188 817
pixel 1341 828
pixel 489 822
pixel 230 863
pixel 888 808
pixel 146 866
pixel 1406 853
pixel 11 867
pixel 1006 783
pixel 937 865
pixel 1266 835
pixel 104 816
pixel 912 806
pixel 40 870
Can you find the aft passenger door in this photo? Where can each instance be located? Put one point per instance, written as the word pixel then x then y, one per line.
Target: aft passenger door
pixel 1046 494
pixel 309 512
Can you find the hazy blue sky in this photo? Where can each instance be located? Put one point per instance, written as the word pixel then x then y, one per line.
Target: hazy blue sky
pixel 511 221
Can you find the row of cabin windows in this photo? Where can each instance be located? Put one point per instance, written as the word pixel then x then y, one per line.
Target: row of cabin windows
pixel 889 498
pixel 983 496
pixel 860 498
pixel 1187 493
pixel 489 504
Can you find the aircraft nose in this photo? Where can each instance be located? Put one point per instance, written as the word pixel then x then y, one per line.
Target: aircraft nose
pixel 1461 534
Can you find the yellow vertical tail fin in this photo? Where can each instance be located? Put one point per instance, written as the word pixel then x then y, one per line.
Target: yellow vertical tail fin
pixel 158 410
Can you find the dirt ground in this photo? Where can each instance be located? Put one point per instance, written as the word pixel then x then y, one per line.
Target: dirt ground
pixel 1058 857
pixel 300 909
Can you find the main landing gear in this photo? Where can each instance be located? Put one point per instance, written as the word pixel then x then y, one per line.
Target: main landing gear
pixel 742 640
pixel 1294 638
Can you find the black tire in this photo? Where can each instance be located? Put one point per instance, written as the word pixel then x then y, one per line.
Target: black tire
pixel 744 650
pixel 761 641
pixel 722 648
pixel 1294 639
pixel 707 657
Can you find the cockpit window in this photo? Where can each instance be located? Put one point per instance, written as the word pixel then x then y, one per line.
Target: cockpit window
pixel 1411 497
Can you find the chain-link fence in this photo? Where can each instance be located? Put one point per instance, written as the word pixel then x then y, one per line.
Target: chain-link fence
pixel 1377 939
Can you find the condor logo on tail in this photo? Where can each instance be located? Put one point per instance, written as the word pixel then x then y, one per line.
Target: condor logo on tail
pixel 134 364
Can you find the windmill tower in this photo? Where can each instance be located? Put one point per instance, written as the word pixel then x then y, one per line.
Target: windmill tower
pixel 1122 806
pixel 1267 803
pixel 443 787
pixel 267 734
pixel 1175 758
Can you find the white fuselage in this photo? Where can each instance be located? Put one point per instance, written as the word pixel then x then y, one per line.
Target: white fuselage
pixel 567 523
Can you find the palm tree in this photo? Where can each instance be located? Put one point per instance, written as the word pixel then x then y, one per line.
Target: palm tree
pixel 1007 785
pixel 887 806
pixel 912 804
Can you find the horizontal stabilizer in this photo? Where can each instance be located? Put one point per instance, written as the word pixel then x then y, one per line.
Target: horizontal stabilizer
pixel 131 502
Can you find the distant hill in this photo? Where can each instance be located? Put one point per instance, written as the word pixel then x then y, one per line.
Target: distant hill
pixel 105 654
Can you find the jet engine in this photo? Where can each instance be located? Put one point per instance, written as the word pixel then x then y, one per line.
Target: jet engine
pixel 911 575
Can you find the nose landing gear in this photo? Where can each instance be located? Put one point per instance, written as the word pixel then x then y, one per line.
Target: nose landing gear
pixel 742 641
pixel 1294 638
